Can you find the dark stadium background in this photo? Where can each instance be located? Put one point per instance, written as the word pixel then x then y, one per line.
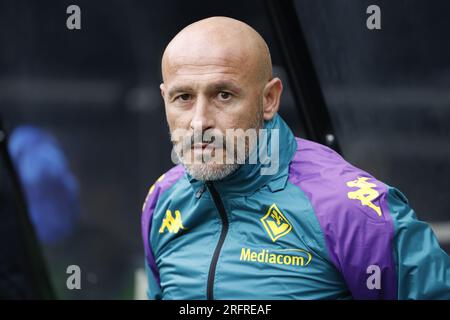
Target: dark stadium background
pixel 96 90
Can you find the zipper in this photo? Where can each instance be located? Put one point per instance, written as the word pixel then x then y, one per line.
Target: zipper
pixel 223 215
pixel 200 191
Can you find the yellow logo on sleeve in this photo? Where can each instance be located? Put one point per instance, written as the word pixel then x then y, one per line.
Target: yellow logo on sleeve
pixel 366 194
pixel 170 223
pixel 276 223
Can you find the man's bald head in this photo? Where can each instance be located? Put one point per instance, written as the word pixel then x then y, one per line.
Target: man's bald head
pixel 219 40
pixel 217 75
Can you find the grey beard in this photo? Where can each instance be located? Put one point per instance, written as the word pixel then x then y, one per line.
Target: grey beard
pixel 208 172
pixel 214 172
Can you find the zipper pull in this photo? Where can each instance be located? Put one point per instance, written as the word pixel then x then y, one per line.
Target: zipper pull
pixel 200 191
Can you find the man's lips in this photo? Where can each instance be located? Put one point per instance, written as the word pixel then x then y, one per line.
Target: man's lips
pixel 202 146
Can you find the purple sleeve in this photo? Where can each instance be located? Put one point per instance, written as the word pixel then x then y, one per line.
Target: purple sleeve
pixel 162 184
pixel 351 207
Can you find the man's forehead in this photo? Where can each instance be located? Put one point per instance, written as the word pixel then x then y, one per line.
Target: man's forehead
pixel 204 69
pixel 201 62
pixel 231 68
pixel 217 45
pixel 209 83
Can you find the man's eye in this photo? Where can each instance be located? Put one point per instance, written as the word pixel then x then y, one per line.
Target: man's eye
pixel 184 97
pixel 225 95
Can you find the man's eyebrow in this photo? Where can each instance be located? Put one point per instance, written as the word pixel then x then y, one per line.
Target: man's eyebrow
pixel 217 86
pixel 178 88
pixel 225 85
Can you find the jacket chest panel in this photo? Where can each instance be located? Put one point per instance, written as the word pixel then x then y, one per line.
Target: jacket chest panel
pixel 264 251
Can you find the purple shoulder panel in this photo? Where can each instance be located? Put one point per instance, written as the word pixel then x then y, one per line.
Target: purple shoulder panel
pixel 351 207
pixel 162 184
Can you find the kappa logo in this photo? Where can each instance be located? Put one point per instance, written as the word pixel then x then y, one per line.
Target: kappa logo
pixel 276 223
pixel 366 194
pixel 173 224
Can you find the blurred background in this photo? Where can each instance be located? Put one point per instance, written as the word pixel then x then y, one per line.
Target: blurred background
pixel 86 122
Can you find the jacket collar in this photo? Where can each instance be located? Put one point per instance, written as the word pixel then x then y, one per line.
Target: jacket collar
pixel 247 179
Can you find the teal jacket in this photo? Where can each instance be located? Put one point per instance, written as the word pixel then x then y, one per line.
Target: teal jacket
pixel 319 228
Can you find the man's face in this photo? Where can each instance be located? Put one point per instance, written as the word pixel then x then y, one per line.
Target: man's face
pixel 210 94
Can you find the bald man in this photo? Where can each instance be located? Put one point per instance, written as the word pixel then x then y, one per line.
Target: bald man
pixel 220 225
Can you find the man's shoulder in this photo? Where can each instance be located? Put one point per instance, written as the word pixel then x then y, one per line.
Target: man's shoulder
pixel 336 189
pixel 351 207
pixel 163 183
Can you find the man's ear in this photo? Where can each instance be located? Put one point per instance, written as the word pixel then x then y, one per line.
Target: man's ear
pixel 271 98
pixel 162 88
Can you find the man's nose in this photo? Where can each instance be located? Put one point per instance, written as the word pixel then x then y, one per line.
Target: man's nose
pixel 203 117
